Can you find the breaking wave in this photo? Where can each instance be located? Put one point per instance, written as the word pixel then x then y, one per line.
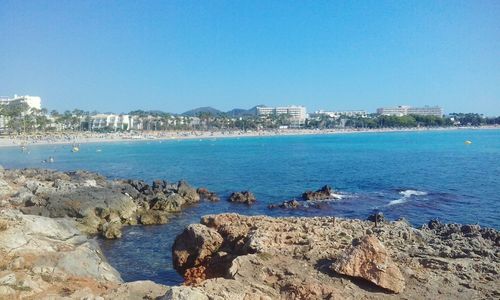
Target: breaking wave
pixel 407 194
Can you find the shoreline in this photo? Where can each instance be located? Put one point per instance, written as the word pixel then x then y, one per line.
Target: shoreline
pixel 49 219
pixel 92 138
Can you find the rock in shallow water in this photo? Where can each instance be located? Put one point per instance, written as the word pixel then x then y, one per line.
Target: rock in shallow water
pixel 242 197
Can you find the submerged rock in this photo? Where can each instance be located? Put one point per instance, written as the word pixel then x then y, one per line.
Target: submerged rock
pixel 367 258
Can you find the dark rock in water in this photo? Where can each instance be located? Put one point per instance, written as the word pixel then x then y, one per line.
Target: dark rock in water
pixel 286 204
pixel 187 192
pixel 377 217
pixel 112 230
pixel 159 185
pixel 153 217
pixel 170 203
pixel 322 194
pixel 208 195
pixel 242 197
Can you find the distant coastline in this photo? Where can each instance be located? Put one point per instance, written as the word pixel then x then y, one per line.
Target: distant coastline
pixel 88 137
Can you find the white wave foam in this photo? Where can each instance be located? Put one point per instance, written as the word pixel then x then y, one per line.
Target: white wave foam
pixel 407 194
pixel 336 196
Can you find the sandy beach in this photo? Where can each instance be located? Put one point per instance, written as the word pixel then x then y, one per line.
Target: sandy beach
pixel 71 138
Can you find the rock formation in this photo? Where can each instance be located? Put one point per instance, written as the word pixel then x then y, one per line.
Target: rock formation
pixel 322 194
pixel 99 205
pixel 245 197
pixel 332 258
pixel 367 258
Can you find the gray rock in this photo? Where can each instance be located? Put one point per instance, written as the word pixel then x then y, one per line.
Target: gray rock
pixel 184 293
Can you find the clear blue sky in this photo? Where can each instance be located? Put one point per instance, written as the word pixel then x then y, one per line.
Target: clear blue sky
pixel 177 55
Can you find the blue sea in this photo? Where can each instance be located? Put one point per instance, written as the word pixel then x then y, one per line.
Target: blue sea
pixel 415 175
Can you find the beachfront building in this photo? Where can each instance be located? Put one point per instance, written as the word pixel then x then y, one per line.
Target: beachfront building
pixel 112 122
pixel 403 110
pixel 339 114
pixel 33 102
pixel 297 114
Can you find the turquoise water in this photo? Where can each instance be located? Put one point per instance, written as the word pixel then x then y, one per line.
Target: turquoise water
pixel 415 175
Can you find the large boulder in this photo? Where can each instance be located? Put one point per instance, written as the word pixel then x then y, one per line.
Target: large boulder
pixel 367 258
pixel 196 243
pixel 242 197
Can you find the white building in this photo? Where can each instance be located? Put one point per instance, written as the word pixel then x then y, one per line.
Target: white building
pixel 32 101
pixel 408 110
pixel 298 113
pixel 112 121
pixel 345 113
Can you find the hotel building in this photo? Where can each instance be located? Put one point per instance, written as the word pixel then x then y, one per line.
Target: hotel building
pixel 32 102
pixel 298 113
pixel 408 110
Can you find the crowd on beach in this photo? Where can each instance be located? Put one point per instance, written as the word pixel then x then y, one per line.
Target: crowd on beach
pixel 90 137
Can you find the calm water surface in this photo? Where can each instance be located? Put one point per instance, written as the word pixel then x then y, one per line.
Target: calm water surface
pixel 415 175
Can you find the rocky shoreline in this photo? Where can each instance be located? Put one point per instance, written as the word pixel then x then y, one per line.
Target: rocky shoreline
pixel 49 220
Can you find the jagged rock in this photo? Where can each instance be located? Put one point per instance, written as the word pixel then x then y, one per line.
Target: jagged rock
pixel 287 204
pixel 153 217
pixel 143 289
pixel 322 194
pixel 194 245
pixel 112 230
pixel 170 203
pixel 242 197
pixel 5 189
pixel 206 194
pixel 376 217
pixel 184 293
pixel 367 258
pixel 187 192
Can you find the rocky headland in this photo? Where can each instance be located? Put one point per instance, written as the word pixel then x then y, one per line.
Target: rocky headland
pixel 49 221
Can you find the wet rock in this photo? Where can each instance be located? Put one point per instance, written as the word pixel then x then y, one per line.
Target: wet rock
pixel 245 197
pixel 322 194
pixel 112 230
pixel 368 259
pixel 153 217
pixel 292 204
pixel 187 192
pixel 196 243
pixel 170 203
pixel 206 194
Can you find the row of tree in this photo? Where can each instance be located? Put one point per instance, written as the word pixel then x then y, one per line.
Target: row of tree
pixel 19 117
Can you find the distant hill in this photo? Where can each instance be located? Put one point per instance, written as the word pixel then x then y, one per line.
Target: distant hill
pixel 195 112
pixel 239 112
